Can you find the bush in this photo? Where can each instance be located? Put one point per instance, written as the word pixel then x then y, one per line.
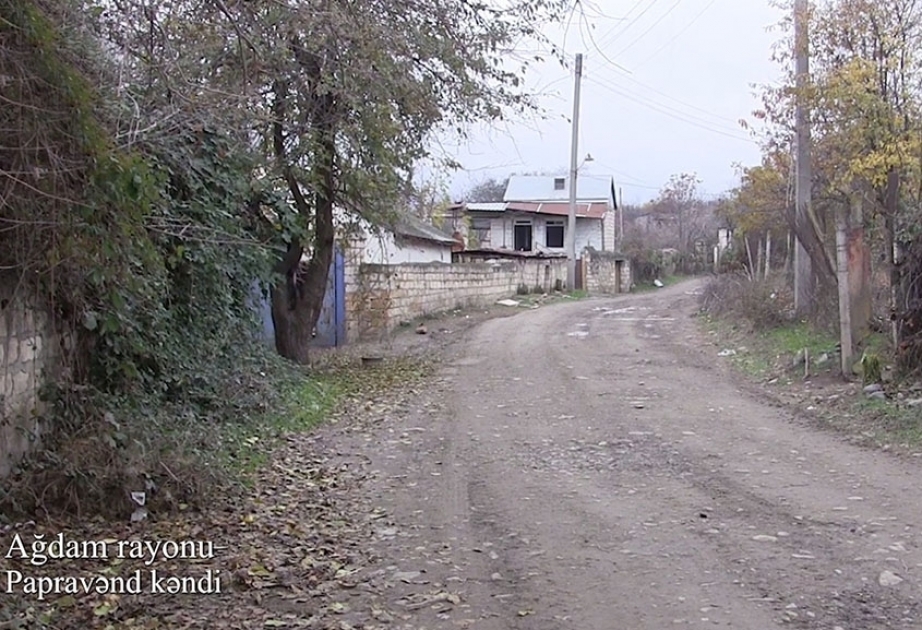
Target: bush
pixel 763 304
pixel 147 253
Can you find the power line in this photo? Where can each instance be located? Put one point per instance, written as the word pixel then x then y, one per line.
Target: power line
pixel 598 49
pixel 624 71
pixel 613 33
pixel 640 183
pixel 650 28
pixel 669 111
pixel 716 117
pixel 679 34
pixel 663 107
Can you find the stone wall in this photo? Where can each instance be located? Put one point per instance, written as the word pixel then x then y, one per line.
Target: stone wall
pixel 29 350
pixel 379 297
pixel 606 272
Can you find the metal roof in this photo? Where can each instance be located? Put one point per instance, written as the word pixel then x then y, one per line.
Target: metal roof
pixel 584 210
pixel 411 227
pixel 542 188
pixel 591 210
pixel 487 206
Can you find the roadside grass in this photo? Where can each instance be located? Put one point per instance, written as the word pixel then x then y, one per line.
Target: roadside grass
pixel 307 402
pixel 886 422
pixel 768 356
pixel 770 353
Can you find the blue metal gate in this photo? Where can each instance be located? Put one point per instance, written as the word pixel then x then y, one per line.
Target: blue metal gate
pixel 331 326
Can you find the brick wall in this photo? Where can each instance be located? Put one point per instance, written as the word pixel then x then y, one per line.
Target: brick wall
pixel 28 351
pixel 381 296
pixel 606 272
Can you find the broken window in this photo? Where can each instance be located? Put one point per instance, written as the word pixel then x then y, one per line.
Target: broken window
pixel 553 233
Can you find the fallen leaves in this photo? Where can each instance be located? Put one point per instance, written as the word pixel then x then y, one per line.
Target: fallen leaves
pixel 295 540
pixel 294 553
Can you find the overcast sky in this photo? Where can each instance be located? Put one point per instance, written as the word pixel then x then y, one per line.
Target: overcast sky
pixel 684 82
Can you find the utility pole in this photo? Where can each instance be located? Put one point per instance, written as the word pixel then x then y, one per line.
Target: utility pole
pixel 845 313
pixel 803 267
pixel 571 223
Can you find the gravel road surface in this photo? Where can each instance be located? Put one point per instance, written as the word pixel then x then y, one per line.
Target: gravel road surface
pixel 594 465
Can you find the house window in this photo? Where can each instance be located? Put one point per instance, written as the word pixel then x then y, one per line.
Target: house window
pixel 480 230
pixel 560 183
pixel 521 233
pixel 553 233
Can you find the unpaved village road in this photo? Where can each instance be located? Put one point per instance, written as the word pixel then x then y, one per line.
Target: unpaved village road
pixel 593 466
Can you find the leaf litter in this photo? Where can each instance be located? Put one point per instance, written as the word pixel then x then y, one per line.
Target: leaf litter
pixel 294 553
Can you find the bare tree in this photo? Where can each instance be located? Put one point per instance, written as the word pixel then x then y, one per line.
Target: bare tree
pixel 490 189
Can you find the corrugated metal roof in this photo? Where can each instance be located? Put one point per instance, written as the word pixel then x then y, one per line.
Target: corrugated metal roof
pixel 410 226
pixel 487 206
pixel 542 188
pixel 583 210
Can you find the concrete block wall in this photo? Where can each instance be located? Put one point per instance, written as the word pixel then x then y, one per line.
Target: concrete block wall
pixel 607 273
pixel 382 296
pixel 29 351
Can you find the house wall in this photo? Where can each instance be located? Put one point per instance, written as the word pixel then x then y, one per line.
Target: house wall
pixel 383 296
pixel 588 232
pixel 383 249
pixel 606 273
pixel 29 350
pixel 610 230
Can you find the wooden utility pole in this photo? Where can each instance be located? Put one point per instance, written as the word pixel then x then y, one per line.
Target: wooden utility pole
pixel 803 267
pixel 571 223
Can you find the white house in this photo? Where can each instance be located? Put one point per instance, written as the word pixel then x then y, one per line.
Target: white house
pixel 407 240
pixel 534 212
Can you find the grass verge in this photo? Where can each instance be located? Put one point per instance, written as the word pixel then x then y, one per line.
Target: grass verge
pixel 771 352
pixel 309 401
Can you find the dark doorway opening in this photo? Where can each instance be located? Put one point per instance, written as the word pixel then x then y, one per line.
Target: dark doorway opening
pixel 522 237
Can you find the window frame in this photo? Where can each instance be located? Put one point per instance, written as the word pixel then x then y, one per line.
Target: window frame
pixel 556 223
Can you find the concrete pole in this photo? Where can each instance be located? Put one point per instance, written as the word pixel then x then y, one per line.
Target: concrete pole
pixel 803 267
pixel 571 223
pixel 846 343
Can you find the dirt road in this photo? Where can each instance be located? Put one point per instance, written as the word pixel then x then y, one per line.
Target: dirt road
pixel 593 465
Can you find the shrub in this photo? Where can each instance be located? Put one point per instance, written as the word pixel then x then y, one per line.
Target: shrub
pixel 763 304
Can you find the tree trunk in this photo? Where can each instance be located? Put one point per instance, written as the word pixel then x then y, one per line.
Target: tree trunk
pixel 296 303
pixel 809 233
pixel 891 206
pixel 749 256
pixel 293 328
pixel 759 258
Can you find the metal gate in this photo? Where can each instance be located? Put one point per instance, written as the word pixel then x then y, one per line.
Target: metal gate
pixel 331 326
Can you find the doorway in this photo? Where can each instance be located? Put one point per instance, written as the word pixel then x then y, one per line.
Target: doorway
pixel 522 236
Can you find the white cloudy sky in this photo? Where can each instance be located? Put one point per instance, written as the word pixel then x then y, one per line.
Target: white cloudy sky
pixel 685 80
